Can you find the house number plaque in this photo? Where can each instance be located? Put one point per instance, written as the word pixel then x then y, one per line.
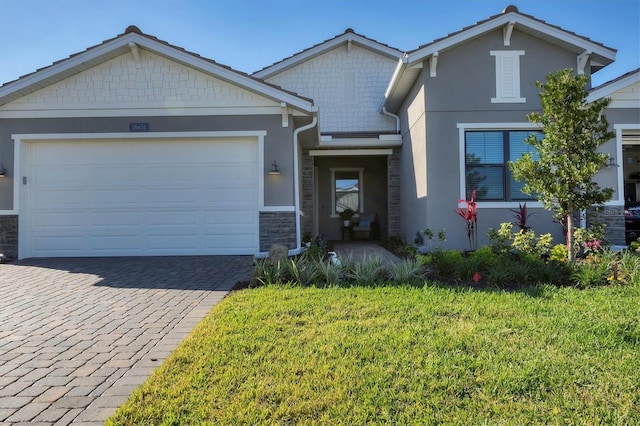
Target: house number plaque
pixel 138 127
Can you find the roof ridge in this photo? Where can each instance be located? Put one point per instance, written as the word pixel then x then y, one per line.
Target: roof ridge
pixel 507 10
pixel 346 31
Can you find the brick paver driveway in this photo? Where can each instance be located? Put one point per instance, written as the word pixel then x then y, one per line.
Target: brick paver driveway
pixel 77 336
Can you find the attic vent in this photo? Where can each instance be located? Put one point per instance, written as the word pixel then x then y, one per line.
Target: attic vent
pixel 510 8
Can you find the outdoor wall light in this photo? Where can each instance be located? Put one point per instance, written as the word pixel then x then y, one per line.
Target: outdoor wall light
pixel 275 170
pixel 3 171
pixel 612 162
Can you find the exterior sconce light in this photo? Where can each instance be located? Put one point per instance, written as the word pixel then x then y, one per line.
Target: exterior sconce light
pixel 612 162
pixel 275 170
pixel 3 171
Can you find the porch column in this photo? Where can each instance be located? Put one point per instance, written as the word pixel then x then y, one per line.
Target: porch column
pixel 307 207
pixel 393 193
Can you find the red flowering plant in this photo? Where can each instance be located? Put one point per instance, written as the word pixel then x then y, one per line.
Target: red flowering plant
pixel 468 212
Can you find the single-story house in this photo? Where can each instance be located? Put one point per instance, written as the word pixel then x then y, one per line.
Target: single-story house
pixel 138 147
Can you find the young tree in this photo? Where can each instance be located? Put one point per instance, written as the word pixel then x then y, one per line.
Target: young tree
pixel 568 156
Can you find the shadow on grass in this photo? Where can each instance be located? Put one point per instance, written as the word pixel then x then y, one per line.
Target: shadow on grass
pixel 531 290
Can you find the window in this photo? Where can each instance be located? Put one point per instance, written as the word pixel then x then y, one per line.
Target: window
pixel 347 190
pixel 486 156
pixel 507 76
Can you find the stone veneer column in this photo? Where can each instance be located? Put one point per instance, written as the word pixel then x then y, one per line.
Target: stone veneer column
pixel 308 171
pixel 9 236
pixel 393 193
pixel 613 218
pixel 277 228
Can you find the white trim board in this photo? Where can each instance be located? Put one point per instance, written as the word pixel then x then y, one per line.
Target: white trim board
pixel 113 111
pixel 137 135
pixel 343 152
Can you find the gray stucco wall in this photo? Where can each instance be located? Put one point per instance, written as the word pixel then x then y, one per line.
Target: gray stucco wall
pixel 461 93
pixel 277 142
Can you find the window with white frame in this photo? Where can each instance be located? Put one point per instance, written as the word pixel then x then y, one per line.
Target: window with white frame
pixel 347 190
pixel 507 76
pixel 487 153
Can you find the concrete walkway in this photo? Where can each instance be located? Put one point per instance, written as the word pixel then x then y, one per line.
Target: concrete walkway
pixel 363 249
pixel 77 336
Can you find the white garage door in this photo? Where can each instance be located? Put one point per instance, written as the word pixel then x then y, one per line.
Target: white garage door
pixel 141 197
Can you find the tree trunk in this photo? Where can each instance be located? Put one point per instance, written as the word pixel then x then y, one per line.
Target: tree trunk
pixel 570 250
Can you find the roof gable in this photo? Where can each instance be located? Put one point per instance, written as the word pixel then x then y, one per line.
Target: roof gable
pixel 348 37
pixel 148 81
pixel 624 91
pixel 511 18
pixel 131 42
pixel 588 52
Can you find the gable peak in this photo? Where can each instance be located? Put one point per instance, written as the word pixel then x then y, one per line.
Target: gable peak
pixel 132 29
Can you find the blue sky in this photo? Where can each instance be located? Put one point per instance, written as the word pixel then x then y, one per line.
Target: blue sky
pixel 250 34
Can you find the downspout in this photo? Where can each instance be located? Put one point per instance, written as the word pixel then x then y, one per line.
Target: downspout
pixel 385 112
pixel 296 183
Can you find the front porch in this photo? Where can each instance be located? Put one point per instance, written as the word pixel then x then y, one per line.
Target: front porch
pixel 366 181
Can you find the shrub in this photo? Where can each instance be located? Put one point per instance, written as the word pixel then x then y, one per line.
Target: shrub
pixel 406 272
pixel 399 247
pixel 501 238
pixel 301 271
pixel 589 273
pixel 328 273
pixel 446 261
pixel 267 271
pixel 629 267
pixel 559 253
pixel 367 271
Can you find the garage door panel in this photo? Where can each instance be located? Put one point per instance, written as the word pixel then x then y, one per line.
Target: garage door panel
pixel 60 199
pixel 112 219
pixel 217 243
pixel 172 217
pixel 231 216
pixel 49 245
pixel 170 196
pixel 126 197
pixel 170 242
pixel 234 196
pixel 113 243
pixel 137 197
pixel 58 219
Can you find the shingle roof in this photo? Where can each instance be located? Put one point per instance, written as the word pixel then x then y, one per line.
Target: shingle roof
pixel 328 42
pixel 615 80
pixel 514 9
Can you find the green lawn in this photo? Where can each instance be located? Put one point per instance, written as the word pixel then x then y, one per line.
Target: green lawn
pixel 403 355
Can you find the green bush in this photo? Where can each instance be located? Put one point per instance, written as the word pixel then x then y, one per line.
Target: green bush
pixel 406 272
pixel 366 271
pixel 446 261
pixel 559 253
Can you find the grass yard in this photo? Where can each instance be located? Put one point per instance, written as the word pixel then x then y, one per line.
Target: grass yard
pixel 403 355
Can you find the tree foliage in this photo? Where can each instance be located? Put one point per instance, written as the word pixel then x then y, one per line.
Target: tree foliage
pixel 568 153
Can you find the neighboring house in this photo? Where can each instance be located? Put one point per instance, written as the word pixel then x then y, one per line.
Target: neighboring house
pixel 138 147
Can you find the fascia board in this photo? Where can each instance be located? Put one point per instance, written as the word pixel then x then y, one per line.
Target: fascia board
pixel 395 79
pixel 609 89
pixel 324 47
pixel 422 54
